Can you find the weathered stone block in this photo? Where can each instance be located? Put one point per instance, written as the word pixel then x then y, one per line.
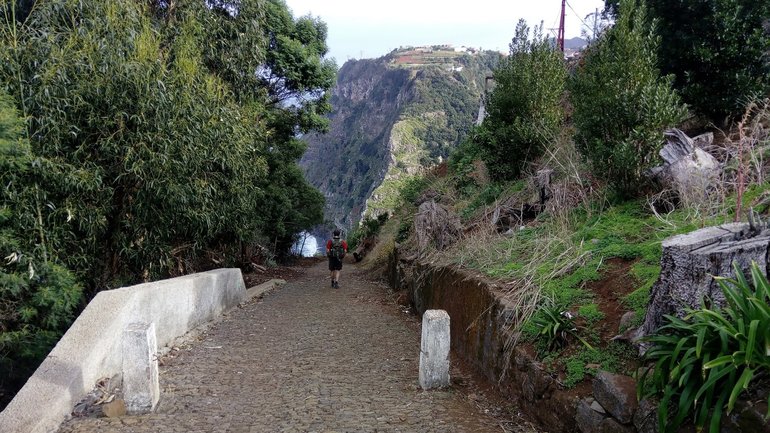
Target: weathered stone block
pixel 140 368
pixel 434 350
pixel 617 394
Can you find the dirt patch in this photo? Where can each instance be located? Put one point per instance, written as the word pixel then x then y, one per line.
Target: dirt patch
pixel 616 282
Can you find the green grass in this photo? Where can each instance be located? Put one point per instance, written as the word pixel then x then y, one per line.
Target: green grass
pixel 628 231
pixel 577 367
pixel 591 313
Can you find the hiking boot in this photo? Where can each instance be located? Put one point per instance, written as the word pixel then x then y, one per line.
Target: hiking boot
pixel 336 284
pixel 332 284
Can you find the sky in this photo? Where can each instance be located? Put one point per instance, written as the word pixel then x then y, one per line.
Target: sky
pixel 369 29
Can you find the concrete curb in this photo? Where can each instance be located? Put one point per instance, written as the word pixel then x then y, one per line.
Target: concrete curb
pixel 262 289
pixel 91 348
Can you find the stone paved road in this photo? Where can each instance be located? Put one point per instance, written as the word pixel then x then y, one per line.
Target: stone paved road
pixel 307 358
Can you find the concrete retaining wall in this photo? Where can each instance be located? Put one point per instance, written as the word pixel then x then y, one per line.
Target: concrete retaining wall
pixel 91 348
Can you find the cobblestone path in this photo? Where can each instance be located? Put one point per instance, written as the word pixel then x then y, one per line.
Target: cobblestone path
pixel 306 358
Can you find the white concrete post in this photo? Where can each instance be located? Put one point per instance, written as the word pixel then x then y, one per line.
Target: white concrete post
pixel 140 368
pixel 434 350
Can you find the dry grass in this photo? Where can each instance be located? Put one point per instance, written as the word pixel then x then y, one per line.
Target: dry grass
pixel 525 260
pixel 747 148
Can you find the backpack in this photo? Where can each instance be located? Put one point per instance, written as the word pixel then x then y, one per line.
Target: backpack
pixel 337 251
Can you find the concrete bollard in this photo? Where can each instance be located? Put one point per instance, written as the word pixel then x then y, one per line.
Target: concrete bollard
pixel 434 350
pixel 140 368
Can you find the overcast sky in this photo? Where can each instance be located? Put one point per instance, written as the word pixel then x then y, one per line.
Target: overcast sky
pixel 368 29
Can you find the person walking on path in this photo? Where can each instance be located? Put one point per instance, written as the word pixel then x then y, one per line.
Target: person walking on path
pixel 335 251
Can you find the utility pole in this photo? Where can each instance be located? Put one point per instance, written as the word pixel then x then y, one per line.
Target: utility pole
pixel 596 19
pixel 560 35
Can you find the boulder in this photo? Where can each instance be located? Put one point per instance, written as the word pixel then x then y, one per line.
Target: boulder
pixel 617 395
pixel 609 425
pixel 646 416
pixel 587 419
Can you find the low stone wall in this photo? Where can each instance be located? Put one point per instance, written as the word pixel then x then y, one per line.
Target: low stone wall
pixel 478 335
pixel 91 348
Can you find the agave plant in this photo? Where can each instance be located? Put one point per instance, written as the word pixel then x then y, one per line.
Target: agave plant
pixel 556 326
pixel 705 361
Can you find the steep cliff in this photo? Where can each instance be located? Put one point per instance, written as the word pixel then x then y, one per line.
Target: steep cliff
pixel 391 117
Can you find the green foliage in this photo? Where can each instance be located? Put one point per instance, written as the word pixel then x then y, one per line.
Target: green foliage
pixel 160 136
pixel 555 326
pixel 412 188
pixel 38 296
pixel 483 197
pixel 613 358
pixel 706 361
pixel 368 227
pixel 717 50
pixel 621 104
pixel 525 107
pixel 591 313
pixel 462 162
pixel 576 365
pixel 165 113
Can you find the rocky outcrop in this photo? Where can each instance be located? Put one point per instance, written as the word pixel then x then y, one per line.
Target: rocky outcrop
pixel 387 123
pixel 348 162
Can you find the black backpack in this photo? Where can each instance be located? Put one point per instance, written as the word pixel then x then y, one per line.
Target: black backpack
pixel 337 251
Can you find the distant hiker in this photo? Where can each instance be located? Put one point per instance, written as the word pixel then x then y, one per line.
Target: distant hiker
pixel 335 251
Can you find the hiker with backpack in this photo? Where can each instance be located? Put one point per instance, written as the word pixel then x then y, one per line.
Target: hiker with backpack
pixel 335 251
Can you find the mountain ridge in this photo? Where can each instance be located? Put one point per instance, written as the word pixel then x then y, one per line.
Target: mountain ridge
pixel 391 117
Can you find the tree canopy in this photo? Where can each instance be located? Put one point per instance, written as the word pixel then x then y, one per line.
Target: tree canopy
pixel 717 51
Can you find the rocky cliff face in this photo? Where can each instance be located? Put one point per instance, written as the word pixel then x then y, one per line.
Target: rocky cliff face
pixel 389 120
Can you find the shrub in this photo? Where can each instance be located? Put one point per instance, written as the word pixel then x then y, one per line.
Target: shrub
pixel 621 104
pixel 706 361
pixel 524 109
pixel 717 50
pixel 367 228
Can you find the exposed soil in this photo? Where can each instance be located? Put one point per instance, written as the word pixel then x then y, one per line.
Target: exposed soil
pixel 616 282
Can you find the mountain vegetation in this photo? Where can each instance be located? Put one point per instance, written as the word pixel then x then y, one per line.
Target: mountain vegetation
pixel 717 52
pixel 392 117
pixel 143 140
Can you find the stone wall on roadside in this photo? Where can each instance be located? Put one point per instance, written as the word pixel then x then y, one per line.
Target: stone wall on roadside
pixel 92 347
